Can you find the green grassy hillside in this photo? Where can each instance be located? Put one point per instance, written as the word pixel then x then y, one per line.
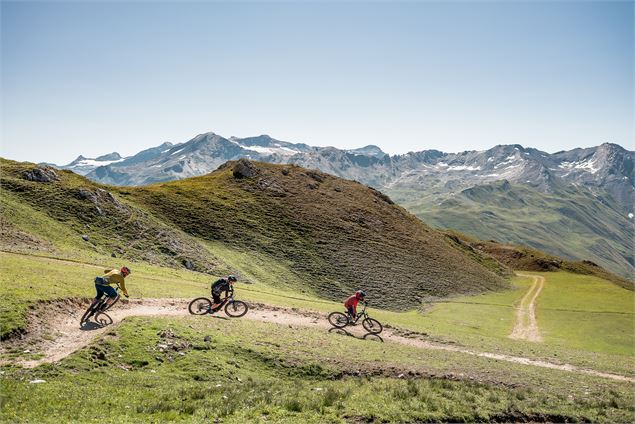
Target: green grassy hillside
pixel 563 222
pixel 528 259
pixel 322 234
pixel 335 235
pixel 73 214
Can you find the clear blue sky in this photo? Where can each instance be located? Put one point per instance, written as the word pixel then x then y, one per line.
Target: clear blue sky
pixel 92 78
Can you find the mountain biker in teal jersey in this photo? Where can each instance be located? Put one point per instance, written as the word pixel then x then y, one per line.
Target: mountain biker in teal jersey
pixel 219 286
pixel 104 287
pixel 351 304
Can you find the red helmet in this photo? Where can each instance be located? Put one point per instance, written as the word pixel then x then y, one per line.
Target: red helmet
pixel 360 294
pixel 125 271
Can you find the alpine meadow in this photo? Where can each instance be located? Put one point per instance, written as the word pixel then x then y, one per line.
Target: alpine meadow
pixel 317 212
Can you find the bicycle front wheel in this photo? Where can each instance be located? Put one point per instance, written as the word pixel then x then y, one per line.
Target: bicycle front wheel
pixel 89 312
pixel 236 309
pixel 372 326
pixel 338 319
pixel 200 306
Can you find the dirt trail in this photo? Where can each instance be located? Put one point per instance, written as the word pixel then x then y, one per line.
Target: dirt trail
pixel 64 336
pixel 526 326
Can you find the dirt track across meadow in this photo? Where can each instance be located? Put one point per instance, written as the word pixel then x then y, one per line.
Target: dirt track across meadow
pixel 65 336
pixel 526 326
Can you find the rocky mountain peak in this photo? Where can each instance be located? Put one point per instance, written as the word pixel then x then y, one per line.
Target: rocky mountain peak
pixel 370 150
pixel 109 157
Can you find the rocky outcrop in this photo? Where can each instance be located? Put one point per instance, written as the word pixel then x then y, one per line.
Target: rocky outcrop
pixel 41 175
pixel 244 169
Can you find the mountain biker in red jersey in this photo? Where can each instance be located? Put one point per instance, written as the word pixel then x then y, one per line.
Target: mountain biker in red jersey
pixel 351 304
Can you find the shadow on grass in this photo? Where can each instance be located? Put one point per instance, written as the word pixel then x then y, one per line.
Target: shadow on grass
pixel 368 336
pixel 218 317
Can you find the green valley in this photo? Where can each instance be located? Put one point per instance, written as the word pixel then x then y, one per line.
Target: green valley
pixel 569 221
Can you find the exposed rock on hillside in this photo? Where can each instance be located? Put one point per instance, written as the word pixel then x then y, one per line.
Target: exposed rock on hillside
pixel 244 169
pixel 41 175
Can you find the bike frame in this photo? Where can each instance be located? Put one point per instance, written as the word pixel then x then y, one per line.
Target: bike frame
pixel 362 313
pixel 227 299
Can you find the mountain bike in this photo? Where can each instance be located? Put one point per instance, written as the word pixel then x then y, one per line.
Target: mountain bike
pixel 96 306
pixel 341 320
pixel 233 308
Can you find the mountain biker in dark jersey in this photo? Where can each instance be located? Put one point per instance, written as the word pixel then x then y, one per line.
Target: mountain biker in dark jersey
pixel 351 304
pixel 219 286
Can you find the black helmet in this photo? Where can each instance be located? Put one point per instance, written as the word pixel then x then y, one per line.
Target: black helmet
pixel 232 277
pixel 360 294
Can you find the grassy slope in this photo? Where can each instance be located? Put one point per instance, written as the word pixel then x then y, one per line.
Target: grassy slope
pixel 265 373
pixel 584 320
pixel 323 235
pixel 65 210
pixel 563 223
pixel 481 322
pixel 333 235
pixel 258 372
pixel 528 259
pixel 588 314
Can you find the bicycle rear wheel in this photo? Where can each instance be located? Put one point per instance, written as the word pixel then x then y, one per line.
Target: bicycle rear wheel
pixel 236 309
pixel 200 306
pixel 103 319
pixel 338 319
pixel 372 326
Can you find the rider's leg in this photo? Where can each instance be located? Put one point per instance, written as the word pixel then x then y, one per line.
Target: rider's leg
pixel 112 295
pixel 217 301
pixel 100 292
pixel 351 314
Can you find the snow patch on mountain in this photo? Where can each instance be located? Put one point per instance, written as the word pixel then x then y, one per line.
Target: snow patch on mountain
pixel 464 168
pixel 272 149
pixel 177 151
pixel 95 162
pixel 588 165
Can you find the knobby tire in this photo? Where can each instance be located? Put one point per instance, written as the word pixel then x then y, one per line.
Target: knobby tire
pixel 236 309
pixel 372 326
pixel 200 306
pixel 338 319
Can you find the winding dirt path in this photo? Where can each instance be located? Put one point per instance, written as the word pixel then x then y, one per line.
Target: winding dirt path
pixel 57 334
pixel 526 326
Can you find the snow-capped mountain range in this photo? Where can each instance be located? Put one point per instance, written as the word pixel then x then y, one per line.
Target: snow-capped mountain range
pixel 608 166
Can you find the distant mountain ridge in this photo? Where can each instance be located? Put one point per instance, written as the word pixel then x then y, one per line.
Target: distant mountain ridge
pixel 608 166
pixel 576 203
